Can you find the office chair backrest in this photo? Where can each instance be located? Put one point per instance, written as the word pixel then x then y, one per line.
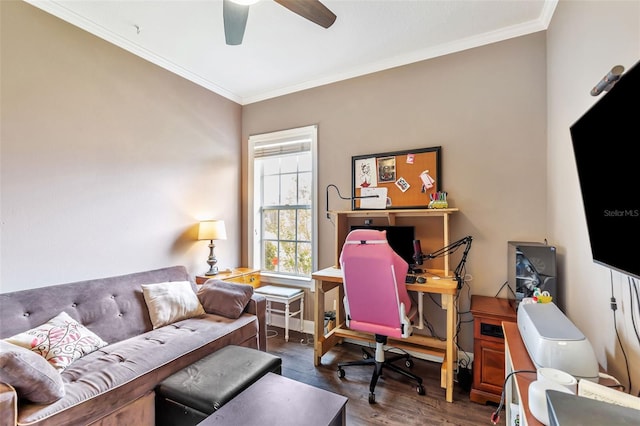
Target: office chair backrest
pixel 376 299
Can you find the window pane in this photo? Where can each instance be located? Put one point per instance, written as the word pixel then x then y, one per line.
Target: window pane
pixel 270 256
pixel 271 166
pixel 304 188
pixel 304 258
pixel 287 255
pixel 289 189
pixel 289 164
pixel 270 224
pixel 304 162
pixel 271 191
pixel 287 225
pixel 304 225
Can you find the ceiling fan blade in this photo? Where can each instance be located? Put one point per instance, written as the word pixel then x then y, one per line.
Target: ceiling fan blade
pixel 235 21
pixel 312 10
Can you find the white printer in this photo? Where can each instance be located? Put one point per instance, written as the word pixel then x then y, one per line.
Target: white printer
pixel 553 341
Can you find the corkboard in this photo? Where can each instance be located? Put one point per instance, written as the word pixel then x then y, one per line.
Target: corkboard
pixel 396 171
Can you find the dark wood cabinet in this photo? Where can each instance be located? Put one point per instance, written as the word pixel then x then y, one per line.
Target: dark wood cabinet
pixel 488 347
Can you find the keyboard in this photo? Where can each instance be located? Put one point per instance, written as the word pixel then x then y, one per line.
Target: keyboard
pixel 410 279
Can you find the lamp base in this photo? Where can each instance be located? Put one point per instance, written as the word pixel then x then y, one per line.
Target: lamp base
pixel 211 261
pixel 212 271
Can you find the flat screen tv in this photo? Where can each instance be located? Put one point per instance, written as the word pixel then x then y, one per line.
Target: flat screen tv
pixel 605 143
pixel 400 239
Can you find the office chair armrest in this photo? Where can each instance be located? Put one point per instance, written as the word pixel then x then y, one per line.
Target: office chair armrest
pixel 407 327
pixel 347 314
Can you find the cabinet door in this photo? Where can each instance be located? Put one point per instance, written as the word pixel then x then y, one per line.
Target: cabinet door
pixel 488 371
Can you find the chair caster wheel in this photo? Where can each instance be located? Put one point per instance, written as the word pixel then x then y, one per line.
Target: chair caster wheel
pixel 340 372
pixel 372 398
pixel 409 363
pixel 420 390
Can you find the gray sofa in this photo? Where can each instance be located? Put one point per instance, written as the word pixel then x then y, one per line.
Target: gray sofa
pixel 114 385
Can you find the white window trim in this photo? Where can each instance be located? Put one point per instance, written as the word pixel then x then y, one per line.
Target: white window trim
pixel 253 255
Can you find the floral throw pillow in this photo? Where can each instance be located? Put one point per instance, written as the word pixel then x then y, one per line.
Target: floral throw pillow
pixel 60 341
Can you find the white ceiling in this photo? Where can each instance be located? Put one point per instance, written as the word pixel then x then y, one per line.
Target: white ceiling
pixel 282 53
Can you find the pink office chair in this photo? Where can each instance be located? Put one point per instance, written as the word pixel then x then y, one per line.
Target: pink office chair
pixel 376 300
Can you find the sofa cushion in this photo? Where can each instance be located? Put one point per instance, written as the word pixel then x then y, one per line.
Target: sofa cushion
pixel 170 302
pixel 224 298
pixel 126 370
pixel 61 340
pixel 30 374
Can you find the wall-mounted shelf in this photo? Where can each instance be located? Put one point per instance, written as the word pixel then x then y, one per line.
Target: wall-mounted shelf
pixel 426 231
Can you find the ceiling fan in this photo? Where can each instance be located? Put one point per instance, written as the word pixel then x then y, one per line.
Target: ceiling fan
pixel 235 13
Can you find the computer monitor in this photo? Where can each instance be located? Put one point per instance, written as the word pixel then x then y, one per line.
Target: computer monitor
pixel 531 265
pixel 400 239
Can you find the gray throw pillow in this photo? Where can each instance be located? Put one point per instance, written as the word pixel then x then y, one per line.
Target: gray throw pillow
pixel 32 376
pixel 224 298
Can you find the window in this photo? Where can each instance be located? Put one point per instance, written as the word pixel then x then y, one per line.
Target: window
pixel 282 205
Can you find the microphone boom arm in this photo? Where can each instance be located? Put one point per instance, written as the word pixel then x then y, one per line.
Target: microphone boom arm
pixel 449 249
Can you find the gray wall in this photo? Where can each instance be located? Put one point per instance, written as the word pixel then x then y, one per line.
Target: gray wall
pixel 108 161
pixel 486 107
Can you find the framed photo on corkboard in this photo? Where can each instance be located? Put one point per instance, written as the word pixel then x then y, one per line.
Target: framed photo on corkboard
pixel 402 179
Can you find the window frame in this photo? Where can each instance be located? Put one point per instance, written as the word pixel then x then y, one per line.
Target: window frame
pixel 253 208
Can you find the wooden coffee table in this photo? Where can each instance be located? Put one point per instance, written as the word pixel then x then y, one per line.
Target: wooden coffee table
pixel 278 400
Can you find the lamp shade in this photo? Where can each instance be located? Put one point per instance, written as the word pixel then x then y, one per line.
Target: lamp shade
pixel 212 230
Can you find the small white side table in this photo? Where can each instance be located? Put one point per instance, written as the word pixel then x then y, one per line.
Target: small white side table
pixel 286 296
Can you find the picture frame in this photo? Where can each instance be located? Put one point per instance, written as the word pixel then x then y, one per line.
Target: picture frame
pixel 386 169
pixel 407 177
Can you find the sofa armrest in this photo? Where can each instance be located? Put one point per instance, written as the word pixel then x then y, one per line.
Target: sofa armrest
pixel 8 405
pixel 258 307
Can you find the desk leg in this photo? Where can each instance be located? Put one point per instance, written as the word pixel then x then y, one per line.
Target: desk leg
pixel 318 317
pixel 324 342
pixel 420 310
pixel 448 301
pixel 341 316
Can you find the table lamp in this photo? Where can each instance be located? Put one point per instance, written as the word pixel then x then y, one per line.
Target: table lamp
pixel 212 230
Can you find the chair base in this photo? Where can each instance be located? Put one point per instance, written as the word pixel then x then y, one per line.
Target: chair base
pixel 380 363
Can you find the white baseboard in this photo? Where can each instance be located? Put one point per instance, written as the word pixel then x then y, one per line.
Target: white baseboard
pixel 294 324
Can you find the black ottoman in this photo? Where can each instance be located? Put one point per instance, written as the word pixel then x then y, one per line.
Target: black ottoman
pixel 193 393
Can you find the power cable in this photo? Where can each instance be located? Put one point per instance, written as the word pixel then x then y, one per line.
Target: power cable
pixel 495 417
pixel 614 308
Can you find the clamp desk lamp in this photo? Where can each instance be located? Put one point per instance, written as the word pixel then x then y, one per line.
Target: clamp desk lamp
pixel 345 198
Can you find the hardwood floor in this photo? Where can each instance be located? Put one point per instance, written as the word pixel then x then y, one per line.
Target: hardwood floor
pixel 397 401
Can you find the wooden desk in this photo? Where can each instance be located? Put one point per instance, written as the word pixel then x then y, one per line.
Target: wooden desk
pixel 517 358
pixel 329 278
